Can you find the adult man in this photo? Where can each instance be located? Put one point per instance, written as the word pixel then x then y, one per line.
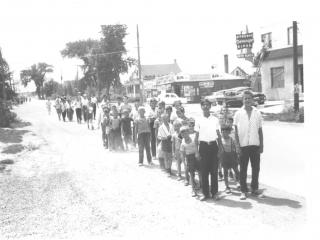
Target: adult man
pixel 208 137
pixel 248 128
pixel 85 105
pixel 94 101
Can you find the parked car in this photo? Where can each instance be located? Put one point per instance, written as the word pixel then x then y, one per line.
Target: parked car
pixel 233 97
pixel 169 98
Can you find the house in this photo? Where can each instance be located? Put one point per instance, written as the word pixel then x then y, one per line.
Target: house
pixel 149 73
pixel 276 70
pixel 239 72
pixel 277 73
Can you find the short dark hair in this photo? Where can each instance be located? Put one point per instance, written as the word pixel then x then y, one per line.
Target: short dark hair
pixel 205 101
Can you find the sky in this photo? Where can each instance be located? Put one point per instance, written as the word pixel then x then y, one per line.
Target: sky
pixel 195 33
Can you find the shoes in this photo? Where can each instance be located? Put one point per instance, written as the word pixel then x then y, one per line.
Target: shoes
pixel 243 196
pixel 215 197
pixel 204 198
pixel 238 185
pixel 151 163
pixel 180 178
pixel 228 190
pixel 140 164
pixel 194 193
pixel 186 183
pixel 256 193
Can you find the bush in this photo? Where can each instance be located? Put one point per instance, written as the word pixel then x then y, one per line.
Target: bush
pixel 287 115
pixel 6 116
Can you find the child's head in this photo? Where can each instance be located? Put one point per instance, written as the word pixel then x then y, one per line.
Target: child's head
pixel 180 112
pixel 184 131
pixel 162 105
pixel 191 124
pixel 225 130
pixel 177 126
pixel 168 110
pixel 126 113
pixel 165 118
pixel 141 111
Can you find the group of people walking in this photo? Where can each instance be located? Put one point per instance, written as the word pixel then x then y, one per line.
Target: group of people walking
pixel 206 146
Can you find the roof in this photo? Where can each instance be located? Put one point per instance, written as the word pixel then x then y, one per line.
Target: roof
pixel 240 69
pixel 282 53
pixel 160 69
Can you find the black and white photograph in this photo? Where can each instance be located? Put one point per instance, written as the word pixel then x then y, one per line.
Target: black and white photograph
pixel 142 119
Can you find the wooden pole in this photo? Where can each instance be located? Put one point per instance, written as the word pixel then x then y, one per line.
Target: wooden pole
pixel 139 69
pixel 295 67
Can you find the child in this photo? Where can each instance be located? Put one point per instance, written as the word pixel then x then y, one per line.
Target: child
pixel 228 156
pixel 90 115
pixel 104 120
pixel 126 130
pixel 190 153
pixel 48 104
pixel 165 134
pixel 115 132
pixel 157 124
pixel 176 143
pixel 143 132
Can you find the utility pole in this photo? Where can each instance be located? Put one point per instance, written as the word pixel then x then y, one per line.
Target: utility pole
pixel 139 69
pixel 295 67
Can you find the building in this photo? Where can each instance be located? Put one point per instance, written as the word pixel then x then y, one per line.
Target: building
pixel 277 73
pixel 239 72
pixel 149 73
pixel 195 86
pixel 277 81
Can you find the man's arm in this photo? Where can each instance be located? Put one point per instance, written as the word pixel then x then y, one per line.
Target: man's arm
pixel 261 139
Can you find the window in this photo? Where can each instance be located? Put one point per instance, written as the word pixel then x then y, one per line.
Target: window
pixel 277 77
pixel 266 39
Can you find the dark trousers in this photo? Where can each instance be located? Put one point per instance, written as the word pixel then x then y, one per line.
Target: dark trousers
pixel 209 165
pixel 78 113
pixel 115 139
pixel 70 114
pixel 64 113
pixel 144 143
pixel 94 111
pixel 85 113
pixel 104 136
pixel 252 153
pixel 153 139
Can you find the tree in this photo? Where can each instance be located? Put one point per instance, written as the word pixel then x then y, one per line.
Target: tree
pixel 50 88
pixel 104 60
pixel 5 78
pixel 37 74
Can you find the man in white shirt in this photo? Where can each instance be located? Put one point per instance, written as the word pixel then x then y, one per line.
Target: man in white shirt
pixel 208 138
pixel 248 131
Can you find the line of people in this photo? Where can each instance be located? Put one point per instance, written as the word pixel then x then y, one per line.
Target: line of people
pixel 205 146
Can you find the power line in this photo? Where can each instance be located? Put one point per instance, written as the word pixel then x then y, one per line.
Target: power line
pixel 103 54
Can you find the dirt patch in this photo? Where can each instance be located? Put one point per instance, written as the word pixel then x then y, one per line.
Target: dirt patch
pixel 13 149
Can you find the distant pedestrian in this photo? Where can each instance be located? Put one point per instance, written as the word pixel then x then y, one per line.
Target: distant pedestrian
pixel 165 133
pixel 48 105
pixel 126 129
pixel 64 109
pixel 85 105
pixel 208 137
pixel 58 106
pixel 115 132
pixel 94 102
pixel 125 106
pixel 90 115
pixel 104 123
pixel 78 108
pixel 248 126
pixel 143 135
pixel 152 115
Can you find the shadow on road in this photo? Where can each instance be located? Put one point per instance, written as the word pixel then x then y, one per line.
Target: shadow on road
pixel 235 204
pixel 278 201
pixel 13 149
pixel 13 135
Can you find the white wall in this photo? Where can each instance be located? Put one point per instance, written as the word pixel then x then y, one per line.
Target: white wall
pixel 285 93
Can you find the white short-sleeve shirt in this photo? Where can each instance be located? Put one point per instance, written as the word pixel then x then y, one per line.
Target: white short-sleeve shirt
pixel 207 128
pixel 248 129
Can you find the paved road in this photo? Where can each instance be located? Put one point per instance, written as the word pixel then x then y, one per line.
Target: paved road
pixel 71 187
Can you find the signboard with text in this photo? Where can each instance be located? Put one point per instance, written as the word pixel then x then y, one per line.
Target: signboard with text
pixel 244 40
